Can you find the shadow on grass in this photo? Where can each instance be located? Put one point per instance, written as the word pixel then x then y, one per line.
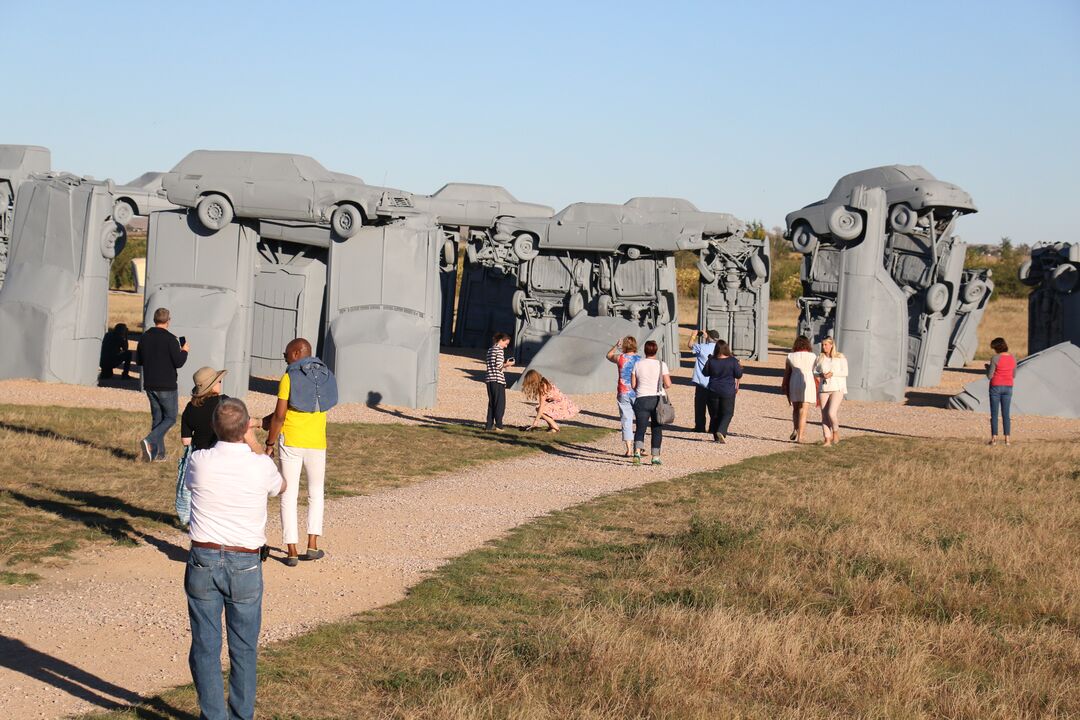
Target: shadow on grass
pixel 76 682
pixel 53 435
pixel 118 529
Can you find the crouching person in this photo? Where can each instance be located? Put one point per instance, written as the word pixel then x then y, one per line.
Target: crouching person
pixel 229 486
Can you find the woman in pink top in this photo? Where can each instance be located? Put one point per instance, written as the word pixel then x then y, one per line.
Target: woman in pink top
pixel 1000 370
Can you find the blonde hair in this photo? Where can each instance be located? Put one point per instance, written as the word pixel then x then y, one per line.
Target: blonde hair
pixel 629 344
pixel 835 352
pixel 535 385
pixel 199 400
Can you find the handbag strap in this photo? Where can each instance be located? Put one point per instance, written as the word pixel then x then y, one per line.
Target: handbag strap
pixel 659 378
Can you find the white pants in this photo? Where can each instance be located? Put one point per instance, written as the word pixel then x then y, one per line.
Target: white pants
pixel 292 460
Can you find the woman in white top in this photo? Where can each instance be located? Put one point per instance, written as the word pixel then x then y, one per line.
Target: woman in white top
pixel 799 384
pixel 831 369
pixel 649 378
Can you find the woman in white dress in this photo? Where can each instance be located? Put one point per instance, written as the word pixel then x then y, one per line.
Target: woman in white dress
pixel 799 384
pixel 831 370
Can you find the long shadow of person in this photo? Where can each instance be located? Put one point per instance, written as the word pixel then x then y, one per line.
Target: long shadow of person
pixel 52 435
pixel 118 529
pixel 20 657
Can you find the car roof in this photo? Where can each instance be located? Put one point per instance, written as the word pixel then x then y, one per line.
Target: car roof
pixel 239 163
pixel 661 204
pixel 12 156
pixel 592 212
pixel 473 191
pixel 884 176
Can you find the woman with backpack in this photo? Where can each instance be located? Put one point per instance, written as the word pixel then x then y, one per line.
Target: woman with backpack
pixel 296 430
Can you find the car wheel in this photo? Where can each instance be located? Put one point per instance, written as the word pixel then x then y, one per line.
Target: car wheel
pixel 517 302
pixel 214 211
pixel 937 297
pixel 633 253
pixel 122 212
pixel 845 224
pixel 758 268
pixel 707 274
pixel 576 306
pixel 525 247
pixel 972 291
pixel 1025 276
pixel 113 239
pixel 902 218
pixel 803 239
pixel 1065 277
pixel 449 254
pixel 346 221
pixel 604 306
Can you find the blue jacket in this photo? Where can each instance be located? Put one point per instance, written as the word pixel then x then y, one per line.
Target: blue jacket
pixel 312 387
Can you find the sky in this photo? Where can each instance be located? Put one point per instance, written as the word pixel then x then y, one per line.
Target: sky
pixel 752 108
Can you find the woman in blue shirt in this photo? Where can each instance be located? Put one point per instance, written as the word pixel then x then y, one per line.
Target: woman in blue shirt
pixel 723 372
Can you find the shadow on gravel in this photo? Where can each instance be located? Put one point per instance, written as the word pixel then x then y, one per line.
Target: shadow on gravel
pixel 52 435
pixel 118 529
pixel 20 657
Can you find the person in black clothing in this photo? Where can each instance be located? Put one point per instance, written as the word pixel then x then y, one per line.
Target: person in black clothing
pixel 160 354
pixel 723 372
pixel 196 423
pixel 114 352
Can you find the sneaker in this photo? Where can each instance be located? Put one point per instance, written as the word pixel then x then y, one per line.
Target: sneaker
pixel 313 555
pixel 656 461
pixel 292 561
pixel 637 458
pixel 147 454
pixel 720 438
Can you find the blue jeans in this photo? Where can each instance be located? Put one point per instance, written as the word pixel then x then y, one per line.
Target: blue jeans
pixel 645 415
pixel 626 415
pixel 216 580
pixel 163 407
pixel 1000 398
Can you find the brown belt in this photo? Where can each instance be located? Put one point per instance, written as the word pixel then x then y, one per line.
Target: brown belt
pixel 226 548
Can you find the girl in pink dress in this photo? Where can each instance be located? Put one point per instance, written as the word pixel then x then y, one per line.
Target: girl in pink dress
pixel 551 404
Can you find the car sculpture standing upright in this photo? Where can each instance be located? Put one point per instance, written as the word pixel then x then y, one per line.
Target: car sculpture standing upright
pixel 17 163
pixel 1053 274
pixel 921 254
pixel 223 184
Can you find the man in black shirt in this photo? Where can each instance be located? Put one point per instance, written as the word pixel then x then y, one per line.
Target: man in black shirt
pixel 160 354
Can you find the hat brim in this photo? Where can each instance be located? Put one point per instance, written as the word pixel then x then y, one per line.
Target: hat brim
pixel 195 390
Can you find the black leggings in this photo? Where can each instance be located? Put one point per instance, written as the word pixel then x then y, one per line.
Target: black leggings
pixel 496 405
pixel 721 410
pixel 645 416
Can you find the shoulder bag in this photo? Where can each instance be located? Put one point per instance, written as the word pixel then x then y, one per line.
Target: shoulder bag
pixel 665 411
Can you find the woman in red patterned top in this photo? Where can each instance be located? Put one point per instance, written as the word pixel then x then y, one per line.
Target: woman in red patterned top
pixel 1000 370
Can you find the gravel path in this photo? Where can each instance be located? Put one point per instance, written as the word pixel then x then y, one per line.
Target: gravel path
pixel 114 624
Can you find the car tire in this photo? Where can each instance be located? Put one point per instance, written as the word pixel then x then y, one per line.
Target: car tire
pixel 902 218
pixel 972 291
pixel 525 247
pixel 449 254
pixel 214 211
pixel 113 239
pixel 1025 276
pixel 123 212
pixel 517 303
pixel 803 238
pixel 576 305
pixel 346 221
pixel 758 268
pixel 845 224
pixel 605 306
pixel 1065 277
pixel 937 297
pixel 706 272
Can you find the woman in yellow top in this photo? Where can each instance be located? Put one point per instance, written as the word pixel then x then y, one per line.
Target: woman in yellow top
pixel 299 438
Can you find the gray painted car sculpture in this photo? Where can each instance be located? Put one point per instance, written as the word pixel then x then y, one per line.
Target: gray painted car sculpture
pixel 222 184
pixel 466 205
pixel 17 163
pixel 919 252
pixel 1053 273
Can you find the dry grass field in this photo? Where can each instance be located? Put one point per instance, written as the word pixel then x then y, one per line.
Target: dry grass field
pixel 126 308
pixel 48 512
pixel 1004 317
pixel 885 578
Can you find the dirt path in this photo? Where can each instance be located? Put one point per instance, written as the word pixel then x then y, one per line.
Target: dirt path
pixel 114 624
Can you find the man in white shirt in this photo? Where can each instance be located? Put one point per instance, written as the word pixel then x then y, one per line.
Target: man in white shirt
pixel 229 486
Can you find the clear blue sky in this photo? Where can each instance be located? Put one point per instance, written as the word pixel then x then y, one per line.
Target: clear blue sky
pixel 750 108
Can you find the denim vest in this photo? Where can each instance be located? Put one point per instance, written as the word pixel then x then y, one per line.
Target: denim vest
pixel 312 387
